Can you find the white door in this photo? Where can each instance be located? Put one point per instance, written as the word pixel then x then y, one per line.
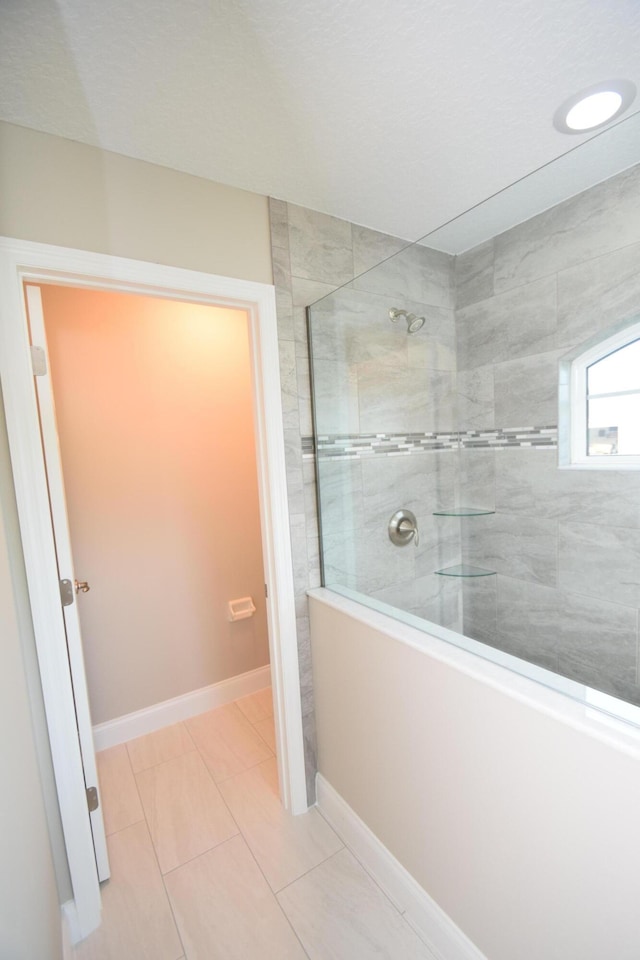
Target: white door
pixel 72 596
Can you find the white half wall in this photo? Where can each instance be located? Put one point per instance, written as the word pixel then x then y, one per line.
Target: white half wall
pixel 513 808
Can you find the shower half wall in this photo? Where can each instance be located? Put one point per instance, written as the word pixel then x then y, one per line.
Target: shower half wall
pixel 464 414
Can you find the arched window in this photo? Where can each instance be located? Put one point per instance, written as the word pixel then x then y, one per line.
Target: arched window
pixel 600 403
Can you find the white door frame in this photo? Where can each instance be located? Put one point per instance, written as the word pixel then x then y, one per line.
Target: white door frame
pixel 20 262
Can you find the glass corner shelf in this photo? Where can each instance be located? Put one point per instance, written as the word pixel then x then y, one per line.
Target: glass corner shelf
pixel 465 570
pixel 463 512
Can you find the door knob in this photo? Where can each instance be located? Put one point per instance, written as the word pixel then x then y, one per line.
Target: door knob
pixel 81 586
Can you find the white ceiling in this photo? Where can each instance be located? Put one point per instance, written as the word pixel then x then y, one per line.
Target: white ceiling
pixel 395 114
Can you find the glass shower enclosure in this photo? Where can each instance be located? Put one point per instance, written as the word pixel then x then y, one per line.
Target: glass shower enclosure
pixel 437 393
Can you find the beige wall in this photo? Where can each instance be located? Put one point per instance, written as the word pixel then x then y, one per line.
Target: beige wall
pixel 155 419
pixel 523 828
pixel 57 191
pixel 29 914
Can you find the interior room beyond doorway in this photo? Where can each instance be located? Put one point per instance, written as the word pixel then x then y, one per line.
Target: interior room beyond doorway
pixel 154 408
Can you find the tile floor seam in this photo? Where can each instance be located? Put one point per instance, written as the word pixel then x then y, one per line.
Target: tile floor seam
pixel 112 833
pixel 155 855
pixel 152 766
pixel 203 853
pixel 364 866
pixel 314 867
pixel 255 727
pixel 142 769
pixel 402 913
pixel 246 769
pixel 274 894
pixel 224 779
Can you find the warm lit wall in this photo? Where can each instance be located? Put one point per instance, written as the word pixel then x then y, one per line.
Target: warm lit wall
pixel 59 191
pixel 521 824
pixel 155 419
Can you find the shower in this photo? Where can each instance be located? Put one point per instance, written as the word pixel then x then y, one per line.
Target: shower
pixel 414 323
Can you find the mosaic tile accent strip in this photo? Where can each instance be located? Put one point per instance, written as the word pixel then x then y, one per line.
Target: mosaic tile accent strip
pixel 358 446
pixel 511 437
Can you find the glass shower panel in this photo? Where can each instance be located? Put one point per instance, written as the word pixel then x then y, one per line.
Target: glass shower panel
pixel 436 380
pixel 384 368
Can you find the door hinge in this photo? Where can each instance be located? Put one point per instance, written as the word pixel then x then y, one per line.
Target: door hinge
pixel 92 799
pixel 38 361
pixel 266 591
pixel 66 593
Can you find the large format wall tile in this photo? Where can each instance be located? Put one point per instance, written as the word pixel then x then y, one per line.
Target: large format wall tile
pixel 593 297
pixel 336 394
pixel 476 399
pixel 600 561
pixel 417 273
pixel 480 609
pixel 513 324
pixel 528 621
pixel 477 478
pixel 523 301
pixel 515 546
pixel 432 598
pixel 526 391
pixel 595 222
pixel 434 346
pixel 598 639
pixel 587 639
pixel 530 483
pixel 371 247
pixel 406 400
pixel 473 274
pixel 320 246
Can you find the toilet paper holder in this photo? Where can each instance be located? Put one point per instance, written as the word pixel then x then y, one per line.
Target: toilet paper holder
pixel 241 609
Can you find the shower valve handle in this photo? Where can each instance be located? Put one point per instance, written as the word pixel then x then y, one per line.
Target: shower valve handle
pixel 403 528
pixel 407 527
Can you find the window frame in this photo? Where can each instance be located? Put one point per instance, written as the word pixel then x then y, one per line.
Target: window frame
pixel 573 401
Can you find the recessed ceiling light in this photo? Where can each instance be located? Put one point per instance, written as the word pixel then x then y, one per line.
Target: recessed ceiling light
pixel 595 106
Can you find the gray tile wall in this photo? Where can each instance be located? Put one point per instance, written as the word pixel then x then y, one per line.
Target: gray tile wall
pixel 563 542
pixel 369 377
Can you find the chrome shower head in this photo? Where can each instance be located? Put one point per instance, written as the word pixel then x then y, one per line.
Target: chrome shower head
pixel 414 323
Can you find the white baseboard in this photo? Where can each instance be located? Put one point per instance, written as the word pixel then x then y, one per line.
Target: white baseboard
pixel 136 724
pixel 443 938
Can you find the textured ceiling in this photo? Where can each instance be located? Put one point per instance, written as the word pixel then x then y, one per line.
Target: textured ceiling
pixel 396 114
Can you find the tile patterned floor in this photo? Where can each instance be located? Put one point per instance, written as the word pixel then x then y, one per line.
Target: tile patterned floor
pixel 206 864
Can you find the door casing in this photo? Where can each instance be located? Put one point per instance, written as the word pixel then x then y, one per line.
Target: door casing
pixel 26 262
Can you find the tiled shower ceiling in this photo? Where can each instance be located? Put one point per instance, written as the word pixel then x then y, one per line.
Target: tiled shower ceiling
pixel 395 115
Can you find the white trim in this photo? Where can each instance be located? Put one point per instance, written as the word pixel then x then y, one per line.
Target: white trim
pixel 137 724
pixel 22 261
pixel 572 412
pixel 443 938
pixel 58 506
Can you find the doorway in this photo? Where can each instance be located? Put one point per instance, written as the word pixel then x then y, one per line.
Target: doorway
pixel 154 413
pixel 20 263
